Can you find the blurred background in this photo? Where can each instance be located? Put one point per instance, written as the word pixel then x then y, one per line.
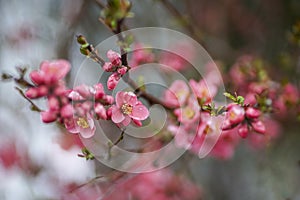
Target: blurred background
pixel 39 161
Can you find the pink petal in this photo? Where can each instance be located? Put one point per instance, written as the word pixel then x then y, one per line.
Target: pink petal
pixel 87 132
pixel 36 77
pixel 67 111
pixel 70 126
pixel 48 116
pixel 139 112
pixel 130 98
pixel 117 115
pixel 126 121
pixel 120 99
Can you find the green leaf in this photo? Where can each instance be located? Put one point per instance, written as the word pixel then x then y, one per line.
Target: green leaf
pixel 240 100
pixel 230 96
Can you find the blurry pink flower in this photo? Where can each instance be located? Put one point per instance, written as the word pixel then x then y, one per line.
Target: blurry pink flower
pixel 50 72
pixel 83 125
pixel 177 94
pixel 140 55
pixel 177 59
pixel 128 107
pixel 203 91
pixel 235 114
pixel 188 114
pixel 181 137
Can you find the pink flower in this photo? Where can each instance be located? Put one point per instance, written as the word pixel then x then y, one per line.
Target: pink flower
pixel 177 94
pixel 188 114
pixel 140 55
pixel 235 114
pixel 50 72
pixel 83 125
pixel 203 91
pixel 128 107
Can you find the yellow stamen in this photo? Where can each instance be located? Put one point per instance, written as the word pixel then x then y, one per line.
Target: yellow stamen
pixel 82 122
pixel 126 109
pixel 189 113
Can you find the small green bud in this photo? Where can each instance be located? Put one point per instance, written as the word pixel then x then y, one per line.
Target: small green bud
pixel 81 40
pixel 84 51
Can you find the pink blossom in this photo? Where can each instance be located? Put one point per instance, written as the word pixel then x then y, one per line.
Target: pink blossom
pixel 182 138
pixel 190 113
pixel 128 107
pixel 177 94
pixel 83 125
pixel 50 72
pixel 235 114
pixel 140 55
pixel 203 91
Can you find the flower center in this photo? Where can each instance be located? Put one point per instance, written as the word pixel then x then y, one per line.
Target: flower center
pixel 207 130
pixel 126 109
pixel 189 113
pixel 82 123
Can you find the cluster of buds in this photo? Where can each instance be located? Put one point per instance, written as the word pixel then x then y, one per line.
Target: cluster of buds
pixel 245 118
pixel 48 83
pixel 115 66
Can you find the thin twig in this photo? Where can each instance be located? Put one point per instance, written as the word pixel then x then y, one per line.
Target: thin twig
pixel 115 143
pixel 33 105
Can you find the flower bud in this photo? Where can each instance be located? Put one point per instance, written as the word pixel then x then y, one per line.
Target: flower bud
pixel 108 67
pixel 243 131
pixel 81 39
pixel 48 116
pixel 100 111
pixel 259 127
pixel 66 111
pixel 114 58
pixel 32 93
pixel 235 113
pixel 113 81
pixel 122 70
pixel 252 112
pixel 36 77
pixel 53 103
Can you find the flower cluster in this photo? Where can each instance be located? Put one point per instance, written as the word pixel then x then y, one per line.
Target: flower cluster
pixel 115 66
pixel 48 83
pixel 244 118
pixel 77 108
pixel 128 108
